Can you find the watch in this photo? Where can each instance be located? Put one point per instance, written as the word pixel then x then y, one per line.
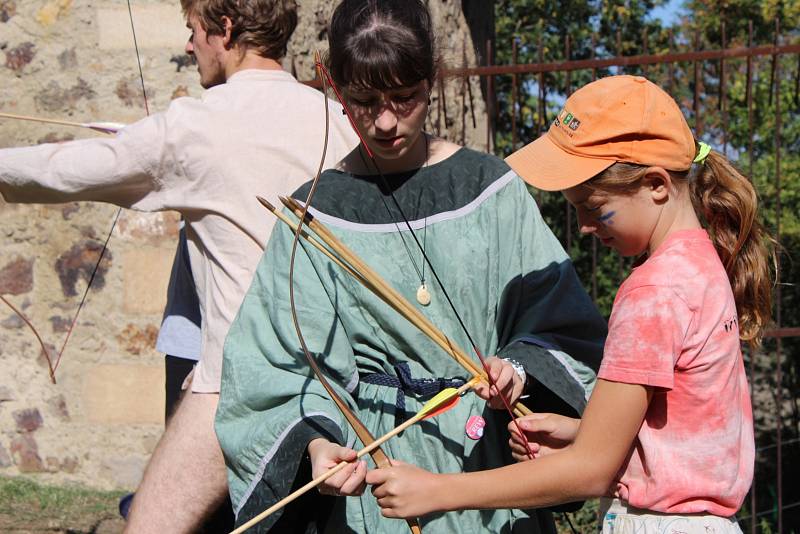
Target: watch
pixel 519 369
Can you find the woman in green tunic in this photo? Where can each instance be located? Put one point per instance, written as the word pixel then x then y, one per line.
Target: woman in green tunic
pixel 509 279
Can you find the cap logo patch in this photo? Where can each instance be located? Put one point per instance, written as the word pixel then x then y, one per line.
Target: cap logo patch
pixel 568 120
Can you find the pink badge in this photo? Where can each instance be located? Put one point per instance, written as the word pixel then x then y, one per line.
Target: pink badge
pixel 474 427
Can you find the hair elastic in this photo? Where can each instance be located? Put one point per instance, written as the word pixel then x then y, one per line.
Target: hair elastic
pixel 703 150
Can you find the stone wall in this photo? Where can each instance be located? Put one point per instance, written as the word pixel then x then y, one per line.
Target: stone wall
pixel 75 60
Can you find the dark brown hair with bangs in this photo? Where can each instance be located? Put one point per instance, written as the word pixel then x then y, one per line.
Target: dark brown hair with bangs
pixel 263 26
pixel 382 44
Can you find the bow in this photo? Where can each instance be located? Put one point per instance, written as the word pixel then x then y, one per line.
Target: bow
pixel 366 437
pixel 102 127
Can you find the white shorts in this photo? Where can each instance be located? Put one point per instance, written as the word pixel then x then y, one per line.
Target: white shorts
pixel 619 518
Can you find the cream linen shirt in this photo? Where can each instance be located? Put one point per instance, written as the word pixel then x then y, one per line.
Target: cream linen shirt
pixel 261 133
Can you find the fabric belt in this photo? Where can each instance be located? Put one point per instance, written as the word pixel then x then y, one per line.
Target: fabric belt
pixel 405 383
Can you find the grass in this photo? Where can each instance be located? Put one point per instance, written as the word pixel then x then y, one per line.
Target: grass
pixel 28 506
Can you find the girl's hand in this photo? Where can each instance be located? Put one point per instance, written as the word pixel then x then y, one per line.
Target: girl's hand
pixel 506 381
pixel 346 483
pixel 546 433
pixel 405 491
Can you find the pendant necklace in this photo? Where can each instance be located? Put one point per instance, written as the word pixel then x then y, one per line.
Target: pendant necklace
pixel 423 294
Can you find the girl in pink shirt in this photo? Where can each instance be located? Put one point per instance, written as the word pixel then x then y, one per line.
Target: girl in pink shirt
pixel 668 432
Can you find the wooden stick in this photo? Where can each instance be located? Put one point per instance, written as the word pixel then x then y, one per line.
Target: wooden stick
pixel 341 465
pixel 105 127
pixel 390 295
pixel 308 237
pixel 358 276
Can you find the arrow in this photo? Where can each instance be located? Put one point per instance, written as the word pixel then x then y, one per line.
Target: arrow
pixel 109 128
pixel 440 403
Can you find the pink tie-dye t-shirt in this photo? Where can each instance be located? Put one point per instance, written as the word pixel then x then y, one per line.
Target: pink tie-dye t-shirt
pixel 674 327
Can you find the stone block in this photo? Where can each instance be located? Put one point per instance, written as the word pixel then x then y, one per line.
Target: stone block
pixel 25 452
pixel 28 419
pixel 16 277
pixel 145 279
pixel 5 459
pixel 58 406
pixel 79 262
pixel 136 340
pixel 125 471
pixel 157 26
pixel 132 394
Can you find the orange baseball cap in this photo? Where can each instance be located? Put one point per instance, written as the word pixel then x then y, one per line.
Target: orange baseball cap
pixel 618 118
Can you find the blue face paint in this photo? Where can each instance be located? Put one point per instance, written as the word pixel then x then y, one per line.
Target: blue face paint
pixel 606 219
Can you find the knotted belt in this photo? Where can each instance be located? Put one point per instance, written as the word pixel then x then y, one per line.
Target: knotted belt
pixel 405 383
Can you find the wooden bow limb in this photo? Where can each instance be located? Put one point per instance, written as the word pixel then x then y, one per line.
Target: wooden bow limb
pixel 376 284
pixel 27 321
pixel 363 433
pixel 109 128
pixel 424 413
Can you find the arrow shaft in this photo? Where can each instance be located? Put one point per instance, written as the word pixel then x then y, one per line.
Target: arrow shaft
pixel 422 414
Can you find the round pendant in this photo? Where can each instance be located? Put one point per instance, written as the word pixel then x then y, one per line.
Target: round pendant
pixel 423 295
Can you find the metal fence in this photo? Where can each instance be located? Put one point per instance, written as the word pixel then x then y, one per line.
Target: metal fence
pixel 644 64
pixel 739 65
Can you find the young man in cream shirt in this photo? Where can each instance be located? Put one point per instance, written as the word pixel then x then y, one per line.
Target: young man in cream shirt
pixel 255 131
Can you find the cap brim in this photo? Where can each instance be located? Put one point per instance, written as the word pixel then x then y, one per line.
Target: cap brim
pixel 546 166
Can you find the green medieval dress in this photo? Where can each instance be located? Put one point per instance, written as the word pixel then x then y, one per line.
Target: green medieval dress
pixel 512 284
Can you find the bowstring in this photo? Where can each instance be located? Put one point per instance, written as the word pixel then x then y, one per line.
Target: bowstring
pixel 116 215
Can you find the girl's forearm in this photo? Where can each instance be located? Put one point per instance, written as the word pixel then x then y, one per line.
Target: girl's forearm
pixel 546 481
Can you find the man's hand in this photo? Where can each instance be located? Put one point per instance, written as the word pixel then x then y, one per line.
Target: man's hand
pixel 405 490
pixel 545 433
pixel 325 455
pixel 506 381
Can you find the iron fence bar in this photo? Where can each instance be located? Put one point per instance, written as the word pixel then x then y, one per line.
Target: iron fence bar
pixel 443 93
pixel 542 103
pixel 778 371
pixel 617 61
pixel 489 97
pixel 594 238
pixel 645 50
pixel 780 333
pixel 620 261
pixel 622 61
pixel 698 117
pixel 568 91
pixel 671 64
pixel 722 92
pixel 753 353
pixel 514 96
pixel 464 82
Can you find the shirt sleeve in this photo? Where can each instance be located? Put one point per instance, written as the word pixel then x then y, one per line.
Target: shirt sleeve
pixel 646 334
pixel 125 170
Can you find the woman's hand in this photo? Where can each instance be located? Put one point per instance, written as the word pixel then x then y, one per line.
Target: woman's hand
pixel 405 490
pixel 506 381
pixel 325 455
pixel 545 433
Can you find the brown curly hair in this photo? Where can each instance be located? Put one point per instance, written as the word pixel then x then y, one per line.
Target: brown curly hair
pixel 264 26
